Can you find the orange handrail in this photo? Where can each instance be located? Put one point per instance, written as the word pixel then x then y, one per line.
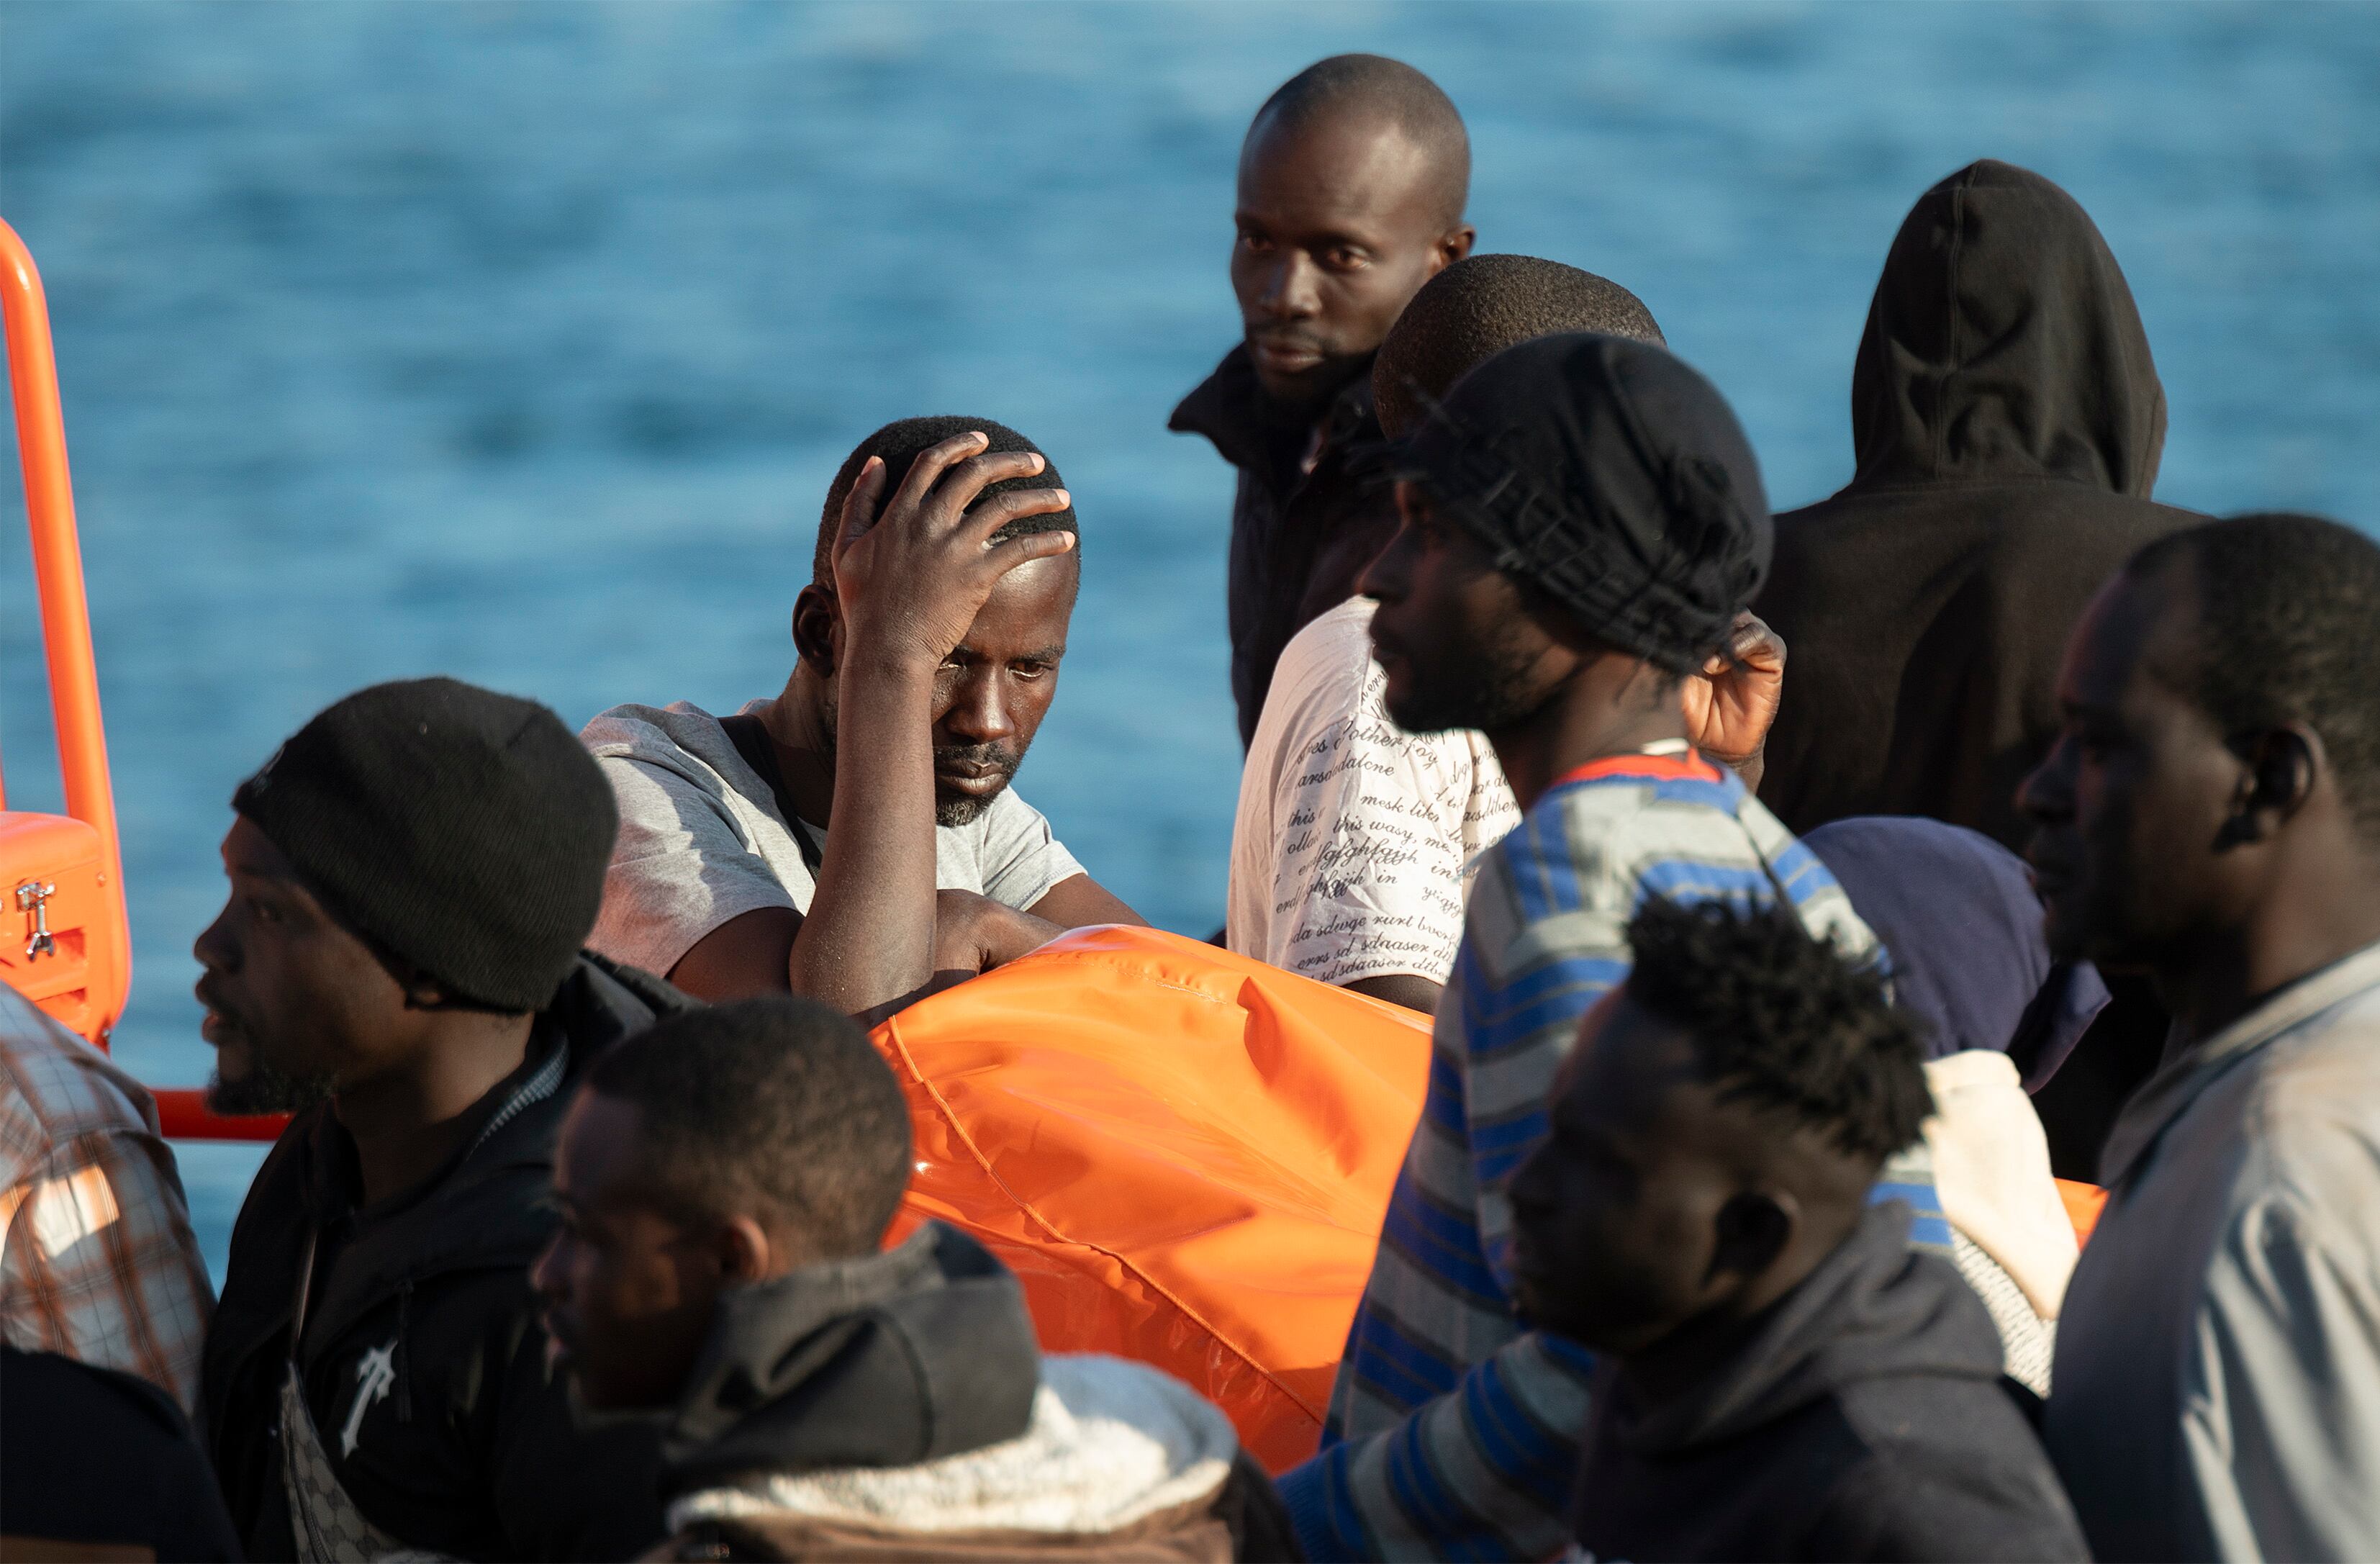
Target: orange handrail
pixel 57 555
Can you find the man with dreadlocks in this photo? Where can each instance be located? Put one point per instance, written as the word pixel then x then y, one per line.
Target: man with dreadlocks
pixel 1351 185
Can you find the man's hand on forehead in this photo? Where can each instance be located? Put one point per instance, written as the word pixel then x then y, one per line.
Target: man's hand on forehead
pixel 912 577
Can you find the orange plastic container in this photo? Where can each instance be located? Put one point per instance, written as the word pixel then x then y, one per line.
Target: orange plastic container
pixel 64 942
pixel 1186 1155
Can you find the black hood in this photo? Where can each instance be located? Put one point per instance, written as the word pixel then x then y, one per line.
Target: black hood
pixel 2004 343
pixel 1872 1310
pixel 922 1352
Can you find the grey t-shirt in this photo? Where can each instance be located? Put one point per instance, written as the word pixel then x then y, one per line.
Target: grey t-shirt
pixel 701 841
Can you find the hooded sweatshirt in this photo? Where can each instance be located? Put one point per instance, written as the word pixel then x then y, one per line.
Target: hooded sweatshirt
pixel 2008 420
pixel 421 1358
pixel 1862 1416
pixel 896 1405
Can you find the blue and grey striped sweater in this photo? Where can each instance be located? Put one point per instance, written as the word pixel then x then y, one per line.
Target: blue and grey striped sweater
pixel 1453 1432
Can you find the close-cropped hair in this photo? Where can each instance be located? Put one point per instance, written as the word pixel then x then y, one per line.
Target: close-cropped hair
pixel 1391 90
pixel 1783 1021
pixel 776 1108
pixel 900 442
pixel 2285 606
pixel 1477 307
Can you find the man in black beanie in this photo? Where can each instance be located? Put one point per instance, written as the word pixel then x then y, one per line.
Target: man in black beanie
pixel 1582 522
pixel 399 964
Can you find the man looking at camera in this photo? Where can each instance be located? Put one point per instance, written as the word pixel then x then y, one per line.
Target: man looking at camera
pixel 1351 185
pixel 854 838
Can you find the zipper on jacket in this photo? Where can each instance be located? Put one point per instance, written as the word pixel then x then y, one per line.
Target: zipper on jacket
pixel 404 1354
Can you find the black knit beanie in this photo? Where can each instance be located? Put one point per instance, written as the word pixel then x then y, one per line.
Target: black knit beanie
pixel 464 831
pixel 1611 477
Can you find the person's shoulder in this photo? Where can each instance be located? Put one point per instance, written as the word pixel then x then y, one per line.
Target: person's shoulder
pixel 1942 1468
pixel 90 1401
pixel 57 1087
pixel 1324 679
pixel 645 732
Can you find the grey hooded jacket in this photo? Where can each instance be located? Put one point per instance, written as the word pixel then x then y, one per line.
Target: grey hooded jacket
pixel 2217 1385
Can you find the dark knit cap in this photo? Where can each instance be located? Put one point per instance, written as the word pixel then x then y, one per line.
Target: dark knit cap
pixel 463 831
pixel 1611 478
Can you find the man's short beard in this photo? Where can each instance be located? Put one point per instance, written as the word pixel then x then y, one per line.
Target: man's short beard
pixel 266 1090
pixel 966 808
pixel 1489 689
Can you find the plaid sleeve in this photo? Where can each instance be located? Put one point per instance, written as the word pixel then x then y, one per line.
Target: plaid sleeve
pixel 98 1262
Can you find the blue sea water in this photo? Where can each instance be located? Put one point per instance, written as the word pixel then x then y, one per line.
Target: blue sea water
pixel 518 342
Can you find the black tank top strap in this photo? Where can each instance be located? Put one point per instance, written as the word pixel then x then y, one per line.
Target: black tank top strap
pixel 759 752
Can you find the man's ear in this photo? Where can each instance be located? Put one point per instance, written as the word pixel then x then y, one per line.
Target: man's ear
pixel 2280 768
pixel 1453 245
pixel 745 1252
pixel 817 628
pixel 1753 1229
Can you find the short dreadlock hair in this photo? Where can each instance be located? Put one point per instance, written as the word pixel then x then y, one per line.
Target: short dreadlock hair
pixel 1393 91
pixel 900 442
pixel 2285 605
pixel 1477 307
pixel 778 1109
pixel 1783 1021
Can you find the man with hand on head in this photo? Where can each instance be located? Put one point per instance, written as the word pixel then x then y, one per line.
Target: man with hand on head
pixel 1584 521
pixel 1351 185
pixel 1781 1376
pixel 1354 840
pixel 725 1182
pixel 412 875
pixel 2211 813
pixel 928 642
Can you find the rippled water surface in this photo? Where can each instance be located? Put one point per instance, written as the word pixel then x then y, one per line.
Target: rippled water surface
pixel 519 342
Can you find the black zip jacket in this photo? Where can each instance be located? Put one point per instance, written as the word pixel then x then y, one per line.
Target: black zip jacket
pixel 1310 514
pixel 1863 1416
pixel 422 1358
pixel 94 1459
pixel 2008 419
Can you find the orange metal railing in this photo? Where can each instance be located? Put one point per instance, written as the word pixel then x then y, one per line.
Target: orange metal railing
pixel 102 941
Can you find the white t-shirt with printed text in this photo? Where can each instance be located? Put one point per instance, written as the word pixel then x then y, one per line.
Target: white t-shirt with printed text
pixel 1354 841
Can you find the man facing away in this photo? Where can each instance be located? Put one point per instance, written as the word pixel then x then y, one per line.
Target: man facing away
pixel 411 874
pixel 1582 522
pixel 2212 812
pixel 928 642
pixel 2007 421
pixel 725 1182
pixel 1781 1376
pixel 1351 185
pixel 1354 840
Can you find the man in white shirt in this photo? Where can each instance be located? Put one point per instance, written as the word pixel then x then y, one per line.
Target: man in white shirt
pixel 1354 838
pixel 928 640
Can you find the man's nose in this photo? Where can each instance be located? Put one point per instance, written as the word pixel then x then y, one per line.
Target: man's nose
pixel 2047 793
pixel 1289 291
pixel 978 709
pixel 546 1272
pixel 214 948
pixel 1383 580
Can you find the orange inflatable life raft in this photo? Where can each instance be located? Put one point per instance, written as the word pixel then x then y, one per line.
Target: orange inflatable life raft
pixel 1186 1156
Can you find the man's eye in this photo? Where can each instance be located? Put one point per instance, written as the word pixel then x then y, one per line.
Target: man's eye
pixel 1029 669
pixel 1254 240
pixel 262 911
pixel 1345 259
